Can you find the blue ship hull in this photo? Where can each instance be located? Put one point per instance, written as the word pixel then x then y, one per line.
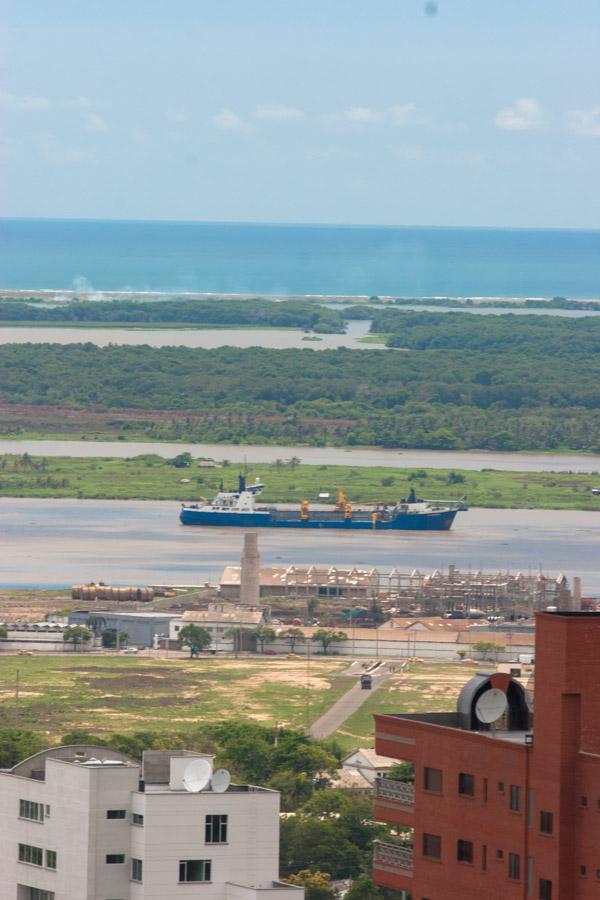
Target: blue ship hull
pixel 436 520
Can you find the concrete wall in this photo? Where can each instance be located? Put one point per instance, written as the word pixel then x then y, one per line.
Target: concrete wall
pixel 380 648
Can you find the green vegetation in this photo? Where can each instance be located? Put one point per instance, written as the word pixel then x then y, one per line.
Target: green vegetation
pixel 195 637
pixel 489 382
pixel 421 687
pixel 251 312
pixel 152 478
pixel 327 636
pixel 122 694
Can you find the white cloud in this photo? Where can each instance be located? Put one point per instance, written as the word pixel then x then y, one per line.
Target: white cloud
pixel 362 114
pixel 401 115
pixel 524 115
pixel 585 121
pixel 278 112
pixel 404 115
pixel 58 154
pixel 33 103
pixel 178 116
pixel 12 101
pixel 94 122
pixel 228 120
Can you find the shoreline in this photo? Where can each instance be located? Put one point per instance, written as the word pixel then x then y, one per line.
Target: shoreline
pixel 99 294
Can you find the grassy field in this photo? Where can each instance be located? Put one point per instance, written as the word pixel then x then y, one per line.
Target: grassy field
pixel 424 687
pixel 117 694
pixel 152 478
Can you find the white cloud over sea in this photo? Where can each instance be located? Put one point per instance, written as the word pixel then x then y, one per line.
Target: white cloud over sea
pixel 524 115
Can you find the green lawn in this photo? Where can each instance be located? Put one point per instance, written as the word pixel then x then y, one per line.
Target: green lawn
pixel 151 478
pixel 116 694
pixel 424 687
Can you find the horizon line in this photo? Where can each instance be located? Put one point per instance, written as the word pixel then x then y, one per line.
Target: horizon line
pixel 271 224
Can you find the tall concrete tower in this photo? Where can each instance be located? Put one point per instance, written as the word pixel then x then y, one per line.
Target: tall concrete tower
pixel 250 574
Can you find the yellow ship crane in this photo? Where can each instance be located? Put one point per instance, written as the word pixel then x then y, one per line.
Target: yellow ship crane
pixel 341 501
pixel 304 510
pixel 347 510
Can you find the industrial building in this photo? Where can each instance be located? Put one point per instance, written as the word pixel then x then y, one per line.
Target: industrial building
pixel 220 619
pixel 143 629
pixel 305 582
pixel 89 822
pixel 498 806
pixel 428 593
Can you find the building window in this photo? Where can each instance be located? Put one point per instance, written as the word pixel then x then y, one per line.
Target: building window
pixel 137 870
pixel 499 854
pixel 432 846
pixel 39 894
pixel 115 859
pixel 137 818
pixel 464 851
pixel 545 889
pixel 50 859
pixel 500 787
pixel 32 855
pixel 215 829
pixel 116 813
pixel 432 780
pixel 583 870
pixel 466 784
pixel 514 866
pixel 583 801
pixel 546 822
pixel 484 857
pixel 515 798
pixel 194 869
pixel 30 810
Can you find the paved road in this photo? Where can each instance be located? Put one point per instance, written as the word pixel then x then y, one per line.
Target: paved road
pixel 337 714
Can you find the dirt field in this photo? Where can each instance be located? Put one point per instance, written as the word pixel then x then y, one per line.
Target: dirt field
pixel 110 694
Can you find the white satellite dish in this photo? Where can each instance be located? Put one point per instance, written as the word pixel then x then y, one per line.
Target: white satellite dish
pixel 220 781
pixel 197 775
pixel 490 706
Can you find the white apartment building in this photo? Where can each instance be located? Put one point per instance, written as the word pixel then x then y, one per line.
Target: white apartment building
pixel 89 823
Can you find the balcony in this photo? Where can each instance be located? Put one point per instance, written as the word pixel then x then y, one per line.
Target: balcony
pixel 393 858
pixel 389 790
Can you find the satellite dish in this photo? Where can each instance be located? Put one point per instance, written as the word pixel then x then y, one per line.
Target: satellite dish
pixel 220 781
pixel 197 775
pixel 490 706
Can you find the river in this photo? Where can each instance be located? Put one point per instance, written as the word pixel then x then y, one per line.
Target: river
pixel 207 339
pixel 61 542
pixel 472 460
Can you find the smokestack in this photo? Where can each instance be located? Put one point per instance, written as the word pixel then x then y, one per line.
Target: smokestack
pixel 250 573
pixel 577 593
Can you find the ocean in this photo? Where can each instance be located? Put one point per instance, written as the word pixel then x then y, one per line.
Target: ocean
pixel 181 257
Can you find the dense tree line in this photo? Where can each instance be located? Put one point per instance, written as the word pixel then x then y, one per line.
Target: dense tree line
pixel 495 382
pixel 257 312
pixel 509 333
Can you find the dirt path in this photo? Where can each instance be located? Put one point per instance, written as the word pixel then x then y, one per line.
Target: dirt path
pixel 337 714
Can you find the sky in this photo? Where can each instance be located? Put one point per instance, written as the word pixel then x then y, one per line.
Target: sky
pixel 446 112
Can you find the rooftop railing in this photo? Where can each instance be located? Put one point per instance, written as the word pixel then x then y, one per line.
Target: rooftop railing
pixel 392 855
pixel 397 791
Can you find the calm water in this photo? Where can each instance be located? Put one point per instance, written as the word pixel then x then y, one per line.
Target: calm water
pixel 297 259
pixel 210 338
pixel 334 456
pixel 60 542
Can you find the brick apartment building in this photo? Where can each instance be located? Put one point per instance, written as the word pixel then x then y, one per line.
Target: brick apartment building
pixel 499 809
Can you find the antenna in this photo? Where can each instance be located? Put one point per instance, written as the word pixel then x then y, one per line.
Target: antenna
pixel 220 781
pixel 491 706
pixel 197 775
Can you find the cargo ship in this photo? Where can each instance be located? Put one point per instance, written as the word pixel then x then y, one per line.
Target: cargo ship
pixel 239 508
